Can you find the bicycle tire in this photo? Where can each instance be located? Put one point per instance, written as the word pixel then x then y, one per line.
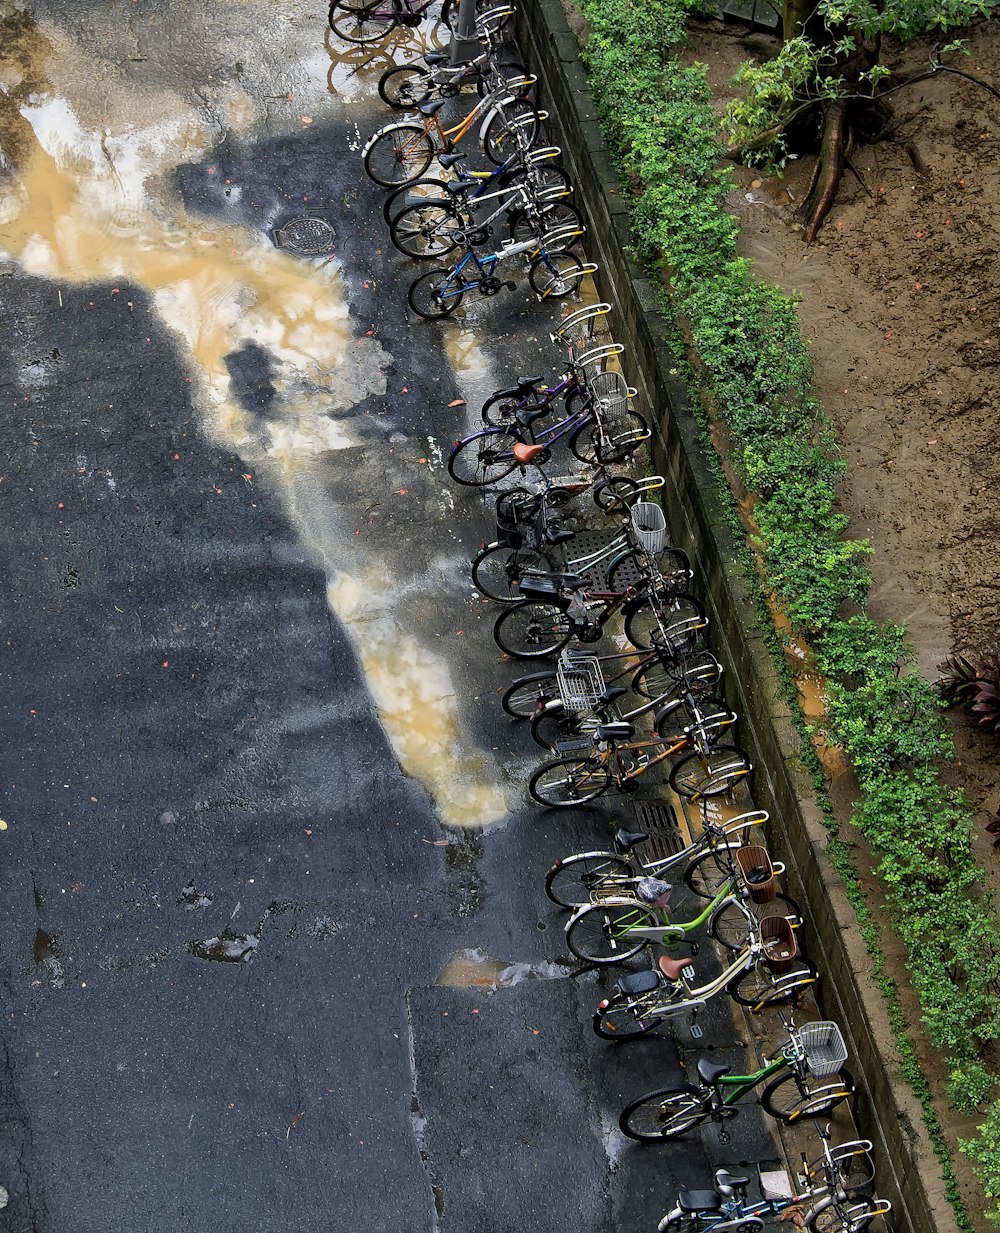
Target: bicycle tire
pixel 423 230
pixel 499 410
pixel 658 680
pixel 617 490
pixel 571 881
pixel 731 929
pixel 450 8
pixel 499 74
pixel 591 934
pixel 398 154
pixel 497 569
pixel 404 86
pixel 620 1018
pixel 542 176
pixel 783 1100
pixel 552 278
pixel 630 430
pixel 527 693
pixel 354 24
pixel 664 1114
pixel 400 197
pixel 532 629
pixel 482 459
pixel 669 564
pixel 514 115
pixel 565 783
pixel 850 1217
pixel 551 725
pixel 761 989
pixel 697 778
pixel 706 874
pixel 714 720
pixel 648 624
pixel 424 295
pixel 854 1165
pixel 522 226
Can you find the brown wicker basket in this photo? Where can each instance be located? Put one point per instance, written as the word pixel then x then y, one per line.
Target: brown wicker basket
pixel 758 872
pixel 780 945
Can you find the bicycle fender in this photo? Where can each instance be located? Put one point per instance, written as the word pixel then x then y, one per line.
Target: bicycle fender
pixel 381 132
pixel 490 114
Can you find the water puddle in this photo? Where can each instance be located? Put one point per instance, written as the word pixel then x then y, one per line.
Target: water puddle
pixel 228 947
pixel 192 899
pixel 473 967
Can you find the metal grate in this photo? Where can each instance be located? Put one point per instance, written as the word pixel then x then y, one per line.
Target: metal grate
pixel 585 543
pixel 310 237
pixel 658 820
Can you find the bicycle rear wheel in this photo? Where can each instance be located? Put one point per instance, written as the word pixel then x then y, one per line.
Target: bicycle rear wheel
pixel 600 933
pixel 552 725
pixel 532 629
pixel 407 194
pixel 358 23
pixel 483 458
pixel 424 231
pixel 567 782
pixel 613 442
pixel 497 570
pixel 707 873
pixel 449 13
pixel 553 278
pixel 435 294
pixel 528 693
pixel 664 1114
pixel 404 86
pixel 398 154
pixel 524 226
pixel 701 672
pixel 572 881
pixel 624 1018
pixel 730 927
pixel 696 776
pixel 851 1216
pixel 500 410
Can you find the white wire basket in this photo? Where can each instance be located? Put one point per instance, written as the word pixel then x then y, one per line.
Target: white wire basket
pixel 824 1047
pixel 649 525
pixel 611 393
pixel 580 681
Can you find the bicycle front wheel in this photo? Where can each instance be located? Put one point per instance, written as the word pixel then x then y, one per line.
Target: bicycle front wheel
pixel 645 625
pixel 707 873
pixel 662 678
pixel 854 1168
pixel 555 277
pixel 636 564
pixel 404 86
pixel 449 13
pixel 567 782
pixel 551 726
pixel 425 230
pixel 730 927
pixel 528 693
pixel 497 570
pixel 600 932
pixel 483 458
pixel 625 1018
pixel 532 629
pixel 790 1099
pixel 853 1216
pixel 400 153
pixel 361 23
pixel 515 122
pixel 760 988
pixel 435 294
pixel 571 882
pixel 526 226
pixel 665 1114
pixel 699 776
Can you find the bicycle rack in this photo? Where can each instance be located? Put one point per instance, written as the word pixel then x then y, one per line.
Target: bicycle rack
pixel 588 316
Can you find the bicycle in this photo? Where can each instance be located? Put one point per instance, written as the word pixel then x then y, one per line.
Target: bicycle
pixel 766 973
pixel 402 151
pixel 373 20
pixel 530 394
pixel 610 757
pixel 552 273
pixel 816 1051
pixel 832 1187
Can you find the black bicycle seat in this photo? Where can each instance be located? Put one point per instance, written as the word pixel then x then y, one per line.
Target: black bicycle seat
pixel 432 108
pixel 449 160
pixel 528 415
pixel 435 57
pixel 699 1201
pixel 456 187
pixel 625 840
pixel 527 383
pixel 559 535
pixel 619 731
pixel 611 694
pixel 709 1072
pixel 638 982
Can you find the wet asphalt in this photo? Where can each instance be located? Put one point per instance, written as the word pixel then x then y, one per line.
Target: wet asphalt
pixel 226 906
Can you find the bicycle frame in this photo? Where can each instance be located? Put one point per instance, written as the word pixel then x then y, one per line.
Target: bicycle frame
pixel 670 932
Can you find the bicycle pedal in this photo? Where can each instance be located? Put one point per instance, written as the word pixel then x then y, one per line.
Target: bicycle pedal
pixel 511 286
pixel 697 1032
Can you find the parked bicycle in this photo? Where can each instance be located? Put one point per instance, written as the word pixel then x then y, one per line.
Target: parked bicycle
pixel 804 1079
pixel 370 21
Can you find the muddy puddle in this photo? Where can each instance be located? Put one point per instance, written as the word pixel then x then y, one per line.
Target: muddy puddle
pixel 472 967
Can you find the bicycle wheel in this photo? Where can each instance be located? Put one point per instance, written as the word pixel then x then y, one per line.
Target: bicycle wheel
pixel 696 777
pixel 626 1018
pixel 730 927
pixel 497 570
pixel 514 122
pixel 550 726
pixel 361 23
pixel 790 1099
pixel 618 491
pixel 450 8
pixel 553 278
pixel 424 230
pixel 571 882
pixel 701 672
pixel 528 693
pixel 633 563
pixel 435 294
pixel 599 933
pixel 407 194
pixel 500 409
pixel 618 439
pixel 404 86
pixel 760 988
pixel 853 1216
pixel 707 873
pixel 569 781
pixel 524 226
pixel 398 154
pixel 664 1114
pixel 850 1166
pixel 532 629
pixel 500 73
pixel 482 458
pixel 713 721
pixel 645 626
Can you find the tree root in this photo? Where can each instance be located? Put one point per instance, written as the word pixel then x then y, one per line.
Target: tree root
pixel 832 158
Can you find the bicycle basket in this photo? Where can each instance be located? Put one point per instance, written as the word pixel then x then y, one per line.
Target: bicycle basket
pixel 580 681
pixel 611 392
pixel 779 945
pixel 823 1046
pixel 649 525
pixel 758 872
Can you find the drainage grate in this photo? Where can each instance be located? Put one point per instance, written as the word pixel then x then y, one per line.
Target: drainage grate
pixel 659 821
pixel 310 237
pixel 590 543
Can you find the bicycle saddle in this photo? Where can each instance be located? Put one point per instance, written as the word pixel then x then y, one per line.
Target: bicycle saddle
pixel 620 731
pixel 724 1178
pixel 526 383
pixel 611 694
pixel 672 969
pixel 559 535
pixel 435 57
pixel 456 187
pixel 709 1072
pixel 449 160
pixel 524 453
pixel 625 840
pixel 528 415
pixel 432 108
pixel 699 1201
pixel 637 982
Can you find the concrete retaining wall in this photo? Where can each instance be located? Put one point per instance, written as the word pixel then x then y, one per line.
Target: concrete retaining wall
pixel 908 1173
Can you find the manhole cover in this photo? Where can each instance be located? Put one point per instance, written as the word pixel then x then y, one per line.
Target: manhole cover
pixel 308 236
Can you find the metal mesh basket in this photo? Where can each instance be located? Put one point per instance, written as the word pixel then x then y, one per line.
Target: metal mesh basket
pixel 824 1047
pixel 649 525
pixel 580 681
pixel 611 394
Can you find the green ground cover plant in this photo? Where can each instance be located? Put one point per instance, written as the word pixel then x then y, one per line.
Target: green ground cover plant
pixel 754 370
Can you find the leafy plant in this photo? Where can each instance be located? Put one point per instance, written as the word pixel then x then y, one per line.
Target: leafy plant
pixel 974 685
